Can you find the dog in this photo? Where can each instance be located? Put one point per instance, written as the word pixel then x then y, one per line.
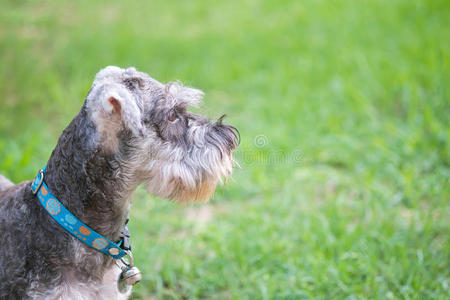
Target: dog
pixel 130 130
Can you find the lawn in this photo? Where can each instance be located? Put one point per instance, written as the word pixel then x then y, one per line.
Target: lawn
pixel 343 107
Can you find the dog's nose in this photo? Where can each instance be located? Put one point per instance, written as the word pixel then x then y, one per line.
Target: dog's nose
pixel 229 135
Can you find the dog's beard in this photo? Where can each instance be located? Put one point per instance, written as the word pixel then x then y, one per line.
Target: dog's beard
pixel 193 178
pixel 191 173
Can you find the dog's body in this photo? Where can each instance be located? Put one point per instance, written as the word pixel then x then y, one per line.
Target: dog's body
pixel 131 129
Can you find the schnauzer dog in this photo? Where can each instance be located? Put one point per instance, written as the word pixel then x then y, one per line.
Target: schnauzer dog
pixel 131 129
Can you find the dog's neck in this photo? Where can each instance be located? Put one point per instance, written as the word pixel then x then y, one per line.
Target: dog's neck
pixel 87 181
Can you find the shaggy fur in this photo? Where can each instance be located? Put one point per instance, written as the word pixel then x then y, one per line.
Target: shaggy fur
pixel 131 129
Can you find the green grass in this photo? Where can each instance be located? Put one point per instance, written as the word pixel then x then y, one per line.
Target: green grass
pixel 343 108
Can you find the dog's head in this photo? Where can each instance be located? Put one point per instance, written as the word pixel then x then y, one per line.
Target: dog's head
pixel 146 124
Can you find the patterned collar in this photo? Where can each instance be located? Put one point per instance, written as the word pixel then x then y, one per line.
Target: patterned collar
pixel 72 224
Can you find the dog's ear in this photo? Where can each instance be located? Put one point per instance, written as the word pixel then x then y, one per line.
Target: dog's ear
pixel 119 105
pixel 113 108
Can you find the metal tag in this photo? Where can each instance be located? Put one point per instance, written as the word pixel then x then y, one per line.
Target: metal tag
pixel 129 276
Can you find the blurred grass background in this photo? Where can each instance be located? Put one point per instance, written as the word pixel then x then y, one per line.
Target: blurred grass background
pixel 343 108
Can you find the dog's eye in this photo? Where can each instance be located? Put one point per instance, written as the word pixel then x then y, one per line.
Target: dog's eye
pixel 132 83
pixel 172 116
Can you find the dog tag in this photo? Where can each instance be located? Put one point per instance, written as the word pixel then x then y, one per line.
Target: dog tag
pixel 129 277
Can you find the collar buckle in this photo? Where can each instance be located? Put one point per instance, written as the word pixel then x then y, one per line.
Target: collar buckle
pixel 37 183
pixel 124 241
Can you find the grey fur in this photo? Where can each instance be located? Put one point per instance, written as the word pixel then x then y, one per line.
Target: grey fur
pixel 4 183
pixel 131 129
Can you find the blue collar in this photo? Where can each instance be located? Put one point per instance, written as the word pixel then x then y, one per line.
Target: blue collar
pixel 71 223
